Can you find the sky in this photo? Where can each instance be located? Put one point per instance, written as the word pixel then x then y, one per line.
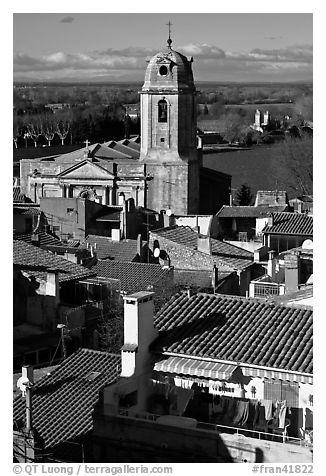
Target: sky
pixel 114 46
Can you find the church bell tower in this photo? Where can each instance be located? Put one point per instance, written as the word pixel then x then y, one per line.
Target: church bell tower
pixel 168 133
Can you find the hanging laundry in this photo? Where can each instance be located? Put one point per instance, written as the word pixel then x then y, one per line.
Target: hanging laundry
pixel 282 414
pixel 268 405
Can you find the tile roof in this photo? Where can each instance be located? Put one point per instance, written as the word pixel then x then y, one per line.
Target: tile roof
pixel 222 252
pixel 134 277
pixel 44 238
pixel 107 151
pixel 248 211
pixel 18 196
pixel 35 261
pixel 26 210
pixel 290 224
pixel 238 330
pixel 197 278
pixel 63 402
pixel 106 248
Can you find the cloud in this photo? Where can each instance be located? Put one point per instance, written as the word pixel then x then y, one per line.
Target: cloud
pixel 67 20
pixel 211 61
pixel 273 38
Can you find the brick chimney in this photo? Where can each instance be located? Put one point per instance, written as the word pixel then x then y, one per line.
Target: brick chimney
pixel 292 272
pixel 139 332
pixel 204 244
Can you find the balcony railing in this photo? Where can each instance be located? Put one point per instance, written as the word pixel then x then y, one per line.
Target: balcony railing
pixel 261 435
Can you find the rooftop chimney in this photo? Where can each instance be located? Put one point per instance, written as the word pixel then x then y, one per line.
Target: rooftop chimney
pixel 292 272
pixel 139 245
pixel 299 207
pixel 270 220
pixel 214 277
pixel 35 239
pixel 116 234
pixel 139 332
pixel 271 265
pixel 204 244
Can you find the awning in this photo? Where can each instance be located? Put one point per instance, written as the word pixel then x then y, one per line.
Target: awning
pixel 276 374
pixel 198 368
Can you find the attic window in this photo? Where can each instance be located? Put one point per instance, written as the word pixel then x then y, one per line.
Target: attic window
pixel 91 376
pixel 70 210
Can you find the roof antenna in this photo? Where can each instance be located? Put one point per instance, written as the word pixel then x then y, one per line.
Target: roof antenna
pixel 169 39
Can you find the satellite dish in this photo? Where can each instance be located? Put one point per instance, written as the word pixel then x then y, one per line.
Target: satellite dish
pixel 168 212
pixel 157 252
pixel 307 245
pixel 22 383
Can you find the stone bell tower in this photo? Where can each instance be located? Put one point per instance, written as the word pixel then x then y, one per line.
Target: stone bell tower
pixel 168 133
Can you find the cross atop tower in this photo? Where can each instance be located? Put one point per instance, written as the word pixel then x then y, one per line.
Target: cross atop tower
pixel 169 39
pixel 87 144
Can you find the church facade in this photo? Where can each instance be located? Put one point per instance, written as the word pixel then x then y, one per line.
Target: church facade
pixel 161 170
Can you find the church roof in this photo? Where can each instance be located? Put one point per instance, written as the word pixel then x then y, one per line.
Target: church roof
pixel 110 150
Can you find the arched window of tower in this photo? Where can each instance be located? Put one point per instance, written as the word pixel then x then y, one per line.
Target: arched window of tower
pixel 162 111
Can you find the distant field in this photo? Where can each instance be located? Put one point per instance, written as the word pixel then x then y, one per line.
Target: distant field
pixel 255 167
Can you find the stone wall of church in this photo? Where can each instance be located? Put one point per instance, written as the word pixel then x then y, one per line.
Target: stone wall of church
pixel 174 187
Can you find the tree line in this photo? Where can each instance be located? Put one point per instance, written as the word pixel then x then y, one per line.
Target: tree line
pixel 73 125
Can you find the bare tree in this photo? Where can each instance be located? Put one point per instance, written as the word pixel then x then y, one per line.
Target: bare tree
pixel 294 167
pixel 35 129
pixel 235 128
pixel 49 128
pixel 17 130
pixel 62 129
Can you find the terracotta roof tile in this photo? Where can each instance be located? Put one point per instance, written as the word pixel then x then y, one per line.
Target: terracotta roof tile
pixel 63 402
pixel 248 212
pixel 237 329
pixel 106 248
pixel 290 224
pixel 133 276
pixel 35 261
pixel 44 238
pixel 222 252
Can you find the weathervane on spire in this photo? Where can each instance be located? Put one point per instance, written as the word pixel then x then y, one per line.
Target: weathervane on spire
pixel 169 40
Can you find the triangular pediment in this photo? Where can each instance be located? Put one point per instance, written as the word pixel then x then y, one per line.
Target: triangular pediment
pixel 86 170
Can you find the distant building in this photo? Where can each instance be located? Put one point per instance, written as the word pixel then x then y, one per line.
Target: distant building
pixel 286 230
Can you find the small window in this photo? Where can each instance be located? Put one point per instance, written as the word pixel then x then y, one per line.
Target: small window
pixel 163 70
pixel 162 139
pixel 70 210
pixel 162 111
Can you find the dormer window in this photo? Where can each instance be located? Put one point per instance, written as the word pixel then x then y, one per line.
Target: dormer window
pixel 162 111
